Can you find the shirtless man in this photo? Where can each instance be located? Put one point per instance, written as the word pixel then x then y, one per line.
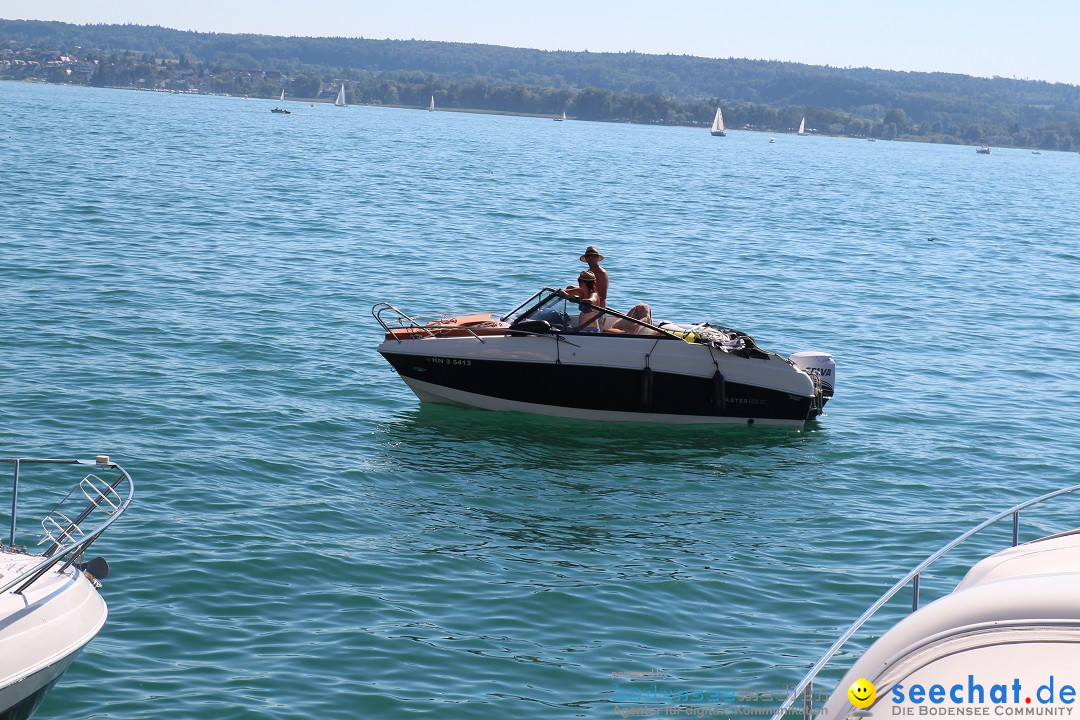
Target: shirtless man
pixel 643 312
pixel 593 257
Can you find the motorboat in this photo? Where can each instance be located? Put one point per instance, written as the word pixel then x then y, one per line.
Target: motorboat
pixel 555 356
pixel 994 646
pixel 983 150
pixel 50 607
pixel 281 111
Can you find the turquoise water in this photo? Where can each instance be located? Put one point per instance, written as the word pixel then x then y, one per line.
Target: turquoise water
pixel 186 286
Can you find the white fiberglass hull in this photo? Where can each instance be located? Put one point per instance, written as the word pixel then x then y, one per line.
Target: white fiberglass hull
pixel 42 630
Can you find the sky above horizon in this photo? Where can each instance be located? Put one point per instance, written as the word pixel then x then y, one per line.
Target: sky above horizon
pixel 1032 40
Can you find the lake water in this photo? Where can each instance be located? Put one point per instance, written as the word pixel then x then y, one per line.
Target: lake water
pixel 187 284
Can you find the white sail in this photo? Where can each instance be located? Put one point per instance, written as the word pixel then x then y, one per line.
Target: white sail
pixel 802 127
pixel 431 107
pixel 283 94
pixel 718 123
pixel 340 102
pixel 564 115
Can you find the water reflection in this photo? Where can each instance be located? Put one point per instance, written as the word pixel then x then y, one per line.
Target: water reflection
pixel 480 440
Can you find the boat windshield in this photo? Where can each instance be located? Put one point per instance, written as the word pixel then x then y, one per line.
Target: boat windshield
pixel 548 307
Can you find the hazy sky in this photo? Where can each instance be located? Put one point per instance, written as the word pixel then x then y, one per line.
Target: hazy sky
pixel 1034 39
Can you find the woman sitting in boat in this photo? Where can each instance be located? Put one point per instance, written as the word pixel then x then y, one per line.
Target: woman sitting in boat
pixel 585 295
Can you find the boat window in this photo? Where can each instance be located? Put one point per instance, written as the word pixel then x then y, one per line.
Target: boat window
pixel 565 316
pixel 558 312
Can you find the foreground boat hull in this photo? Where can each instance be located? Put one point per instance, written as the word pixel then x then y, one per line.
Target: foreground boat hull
pixel 20 700
pixel 42 631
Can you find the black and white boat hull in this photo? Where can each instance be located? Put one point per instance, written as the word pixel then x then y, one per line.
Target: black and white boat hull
pixel 595 377
pixel 438 394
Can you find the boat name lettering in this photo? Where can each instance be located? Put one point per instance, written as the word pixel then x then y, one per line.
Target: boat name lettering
pixel 747 401
pixel 449 361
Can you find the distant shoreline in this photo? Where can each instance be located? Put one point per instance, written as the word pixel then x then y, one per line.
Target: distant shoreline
pixel 636 88
pixel 543 116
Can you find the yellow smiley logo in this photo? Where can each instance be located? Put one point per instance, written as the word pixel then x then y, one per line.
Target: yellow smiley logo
pixel 862 693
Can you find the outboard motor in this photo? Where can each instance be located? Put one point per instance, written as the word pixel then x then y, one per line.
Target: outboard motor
pixel 820 367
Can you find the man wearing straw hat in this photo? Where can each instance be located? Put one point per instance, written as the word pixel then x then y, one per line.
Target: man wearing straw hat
pixel 641 311
pixel 593 257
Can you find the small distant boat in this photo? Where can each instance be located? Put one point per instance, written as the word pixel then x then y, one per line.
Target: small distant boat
pixel 340 102
pixel 560 119
pixel 280 110
pixel 802 127
pixel 717 129
pixel 984 150
pixel 870 140
pixel 772 140
pixel 1036 152
pixel 431 107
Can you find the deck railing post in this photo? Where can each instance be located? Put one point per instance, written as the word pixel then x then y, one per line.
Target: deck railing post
pixel 14 503
pixel 915 594
pixel 808 701
pixel 1016 528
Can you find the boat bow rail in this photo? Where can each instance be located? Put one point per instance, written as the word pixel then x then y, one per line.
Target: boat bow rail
pixel 396 323
pixel 806 686
pixel 74 523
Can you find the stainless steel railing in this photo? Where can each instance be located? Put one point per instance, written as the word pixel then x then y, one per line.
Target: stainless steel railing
pixel 75 522
pixel 805 687
pixel 400 321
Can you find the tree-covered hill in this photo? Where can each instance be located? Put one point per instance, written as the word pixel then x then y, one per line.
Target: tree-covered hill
pixel 634 87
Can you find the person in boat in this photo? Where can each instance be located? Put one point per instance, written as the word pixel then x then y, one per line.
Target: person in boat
pixel 585 292
pixel 641 311
pixel 593 257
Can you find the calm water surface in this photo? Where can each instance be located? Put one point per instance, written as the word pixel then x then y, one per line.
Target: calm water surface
pixel 186 285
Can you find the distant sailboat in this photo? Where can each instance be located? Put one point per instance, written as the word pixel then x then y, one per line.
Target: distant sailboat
pixel 340 102
pixel 560 119
pixel 431 107
pixel 282 94
pixel 802 126
pixel 718 124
